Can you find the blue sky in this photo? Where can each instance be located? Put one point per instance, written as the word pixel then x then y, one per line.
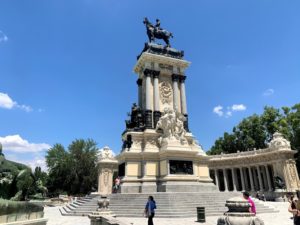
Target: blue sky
pixel 66 66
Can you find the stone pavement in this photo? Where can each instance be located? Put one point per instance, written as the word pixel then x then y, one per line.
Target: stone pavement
pixel 281 218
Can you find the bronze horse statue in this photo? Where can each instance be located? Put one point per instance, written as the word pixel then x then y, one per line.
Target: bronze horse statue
pixel 156 32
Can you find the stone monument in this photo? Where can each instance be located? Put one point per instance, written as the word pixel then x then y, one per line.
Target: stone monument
pixel 107 166
pixel 159 152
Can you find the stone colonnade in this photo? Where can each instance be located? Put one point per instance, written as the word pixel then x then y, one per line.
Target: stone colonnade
pixel 263 170
pixel 150 99
pixel 247 178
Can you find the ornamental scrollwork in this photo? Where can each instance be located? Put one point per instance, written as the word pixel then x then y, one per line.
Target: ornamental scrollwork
pixel 165 92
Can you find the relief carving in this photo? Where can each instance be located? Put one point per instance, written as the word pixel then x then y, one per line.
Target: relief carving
pixel 165 90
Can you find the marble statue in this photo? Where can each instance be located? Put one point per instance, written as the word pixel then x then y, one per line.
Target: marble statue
pixel 279 142
pixel 172 125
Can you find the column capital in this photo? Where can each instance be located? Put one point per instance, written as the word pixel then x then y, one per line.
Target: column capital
pixel 155 73
pixel 139 82
pixel 175 77
pixel 149 72
pixel 182 78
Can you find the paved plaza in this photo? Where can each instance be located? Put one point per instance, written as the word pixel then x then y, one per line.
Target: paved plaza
pixel 280 218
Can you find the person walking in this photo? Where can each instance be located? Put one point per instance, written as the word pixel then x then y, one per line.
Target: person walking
pixel 150 210
pixel 292 206
pixel 252 208
pixel 296 213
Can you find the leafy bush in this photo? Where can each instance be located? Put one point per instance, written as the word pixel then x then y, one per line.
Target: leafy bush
pixel 11 207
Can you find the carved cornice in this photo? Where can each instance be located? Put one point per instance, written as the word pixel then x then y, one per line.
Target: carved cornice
pixel 148 57
pixel 240 160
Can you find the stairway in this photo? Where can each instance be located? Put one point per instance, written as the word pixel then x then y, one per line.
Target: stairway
pixel 177 205
pixel 81 207
pixel 169 205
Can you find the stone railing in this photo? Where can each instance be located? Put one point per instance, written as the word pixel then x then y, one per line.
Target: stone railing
pixel 18 213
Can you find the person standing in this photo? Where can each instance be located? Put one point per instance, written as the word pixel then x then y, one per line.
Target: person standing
pixel 150 210
pixel 252 208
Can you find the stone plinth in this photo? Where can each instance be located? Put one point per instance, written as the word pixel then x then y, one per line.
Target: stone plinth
pixel 238 213
pixel 107 166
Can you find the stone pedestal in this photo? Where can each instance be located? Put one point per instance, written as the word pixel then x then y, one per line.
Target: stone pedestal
pixel 164 135
pixel 107 166
pixel 238 213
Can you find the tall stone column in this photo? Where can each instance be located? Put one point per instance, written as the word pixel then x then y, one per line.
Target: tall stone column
pixel 183 102
pixel 148 111
pixel 175 79
pixel 242 179
pixel 156 113
pixel 217 179
pixel 233 179
pixel 251 179
pixel 259 179
pixel 246 180
pixel 140 91
pixel 225 180
pixel 264 179
pixel 268 178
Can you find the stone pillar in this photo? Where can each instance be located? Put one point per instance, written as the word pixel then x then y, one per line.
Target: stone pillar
pixel 148 111
pixel 140 91
pixel 255 179
pixel 264 180
pixel 156 113
pixel 233 179
pixel 225 180
pixel 251 179
pixel 242 179
pixel 107 164
pixel 259 179
pixel 268 178
pixel 217 179
pixel 175 79
pixel 246 180
pixel 183 102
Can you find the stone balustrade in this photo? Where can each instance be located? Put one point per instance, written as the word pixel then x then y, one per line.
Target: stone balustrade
pixel 255 170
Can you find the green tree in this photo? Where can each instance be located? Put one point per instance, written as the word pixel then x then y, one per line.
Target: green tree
pixel 73 171
pixel 257 130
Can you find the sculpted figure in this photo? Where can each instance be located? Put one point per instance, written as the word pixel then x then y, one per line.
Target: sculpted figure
pixel 156 32
pixel 172 125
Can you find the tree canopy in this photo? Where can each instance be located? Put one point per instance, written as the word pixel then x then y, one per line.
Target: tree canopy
pixel 257 130
pixel 73 171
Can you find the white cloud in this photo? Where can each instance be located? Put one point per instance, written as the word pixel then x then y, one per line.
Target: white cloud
pixel 240 107
pixel 6 102
pixel 228 114
pixel 218 110
pixel 268 92
pixel 229 110
pixel 16 143
pixel 3 37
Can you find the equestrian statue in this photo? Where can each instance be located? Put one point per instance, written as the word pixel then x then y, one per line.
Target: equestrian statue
pixel 157 32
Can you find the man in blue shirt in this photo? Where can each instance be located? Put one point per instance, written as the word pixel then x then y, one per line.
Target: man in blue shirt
pixel 149 209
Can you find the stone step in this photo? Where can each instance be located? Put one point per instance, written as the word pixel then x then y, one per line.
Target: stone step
pixel 170 205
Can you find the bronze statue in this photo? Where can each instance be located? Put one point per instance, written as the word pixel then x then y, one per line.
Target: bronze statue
pixel 157 32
